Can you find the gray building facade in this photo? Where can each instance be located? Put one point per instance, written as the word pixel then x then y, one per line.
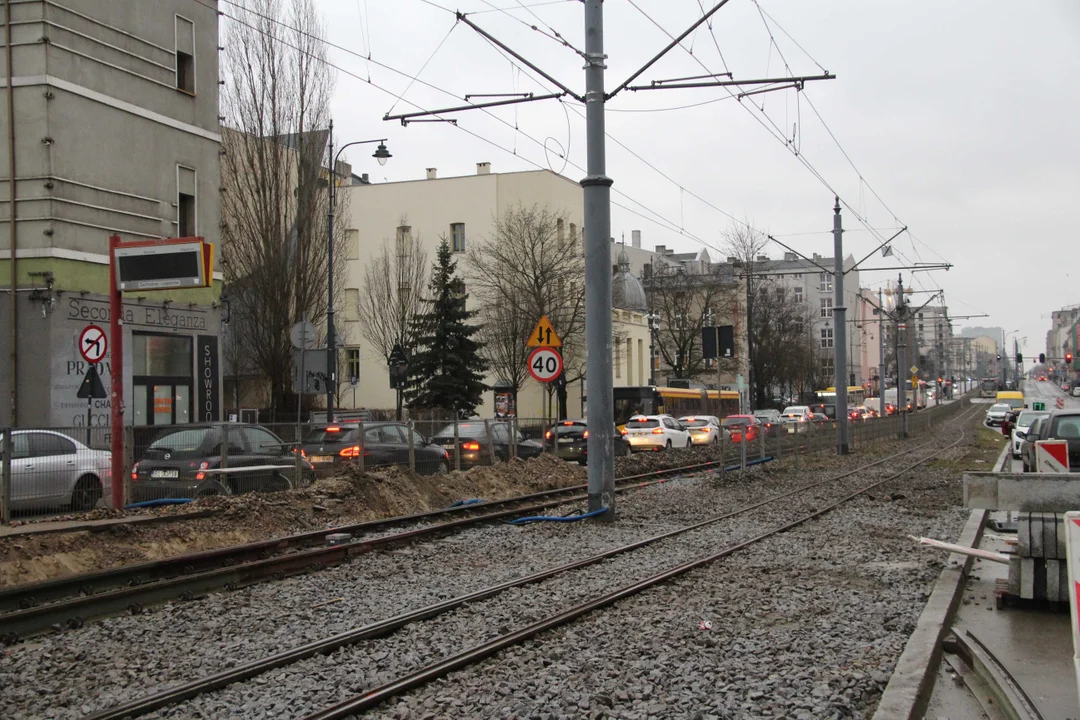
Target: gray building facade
pixel 116 131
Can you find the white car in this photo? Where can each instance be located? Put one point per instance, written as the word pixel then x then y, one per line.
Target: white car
pixel 704 429
pixel 796 417
pixel 656 432
pixel 1076 391
pixel 1023 424
pixel 997 412
pixel 49 469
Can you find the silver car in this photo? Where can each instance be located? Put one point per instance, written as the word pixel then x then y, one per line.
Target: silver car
pixel 704 429
pixel 49 469
pixel 996 414
pixel 1023 424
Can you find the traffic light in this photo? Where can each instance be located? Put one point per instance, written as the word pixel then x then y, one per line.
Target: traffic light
pixel 1042 358
pixel 1068 358
pixel 1019 359
pixel 940 380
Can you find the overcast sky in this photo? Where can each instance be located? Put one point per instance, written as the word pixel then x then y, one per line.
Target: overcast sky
pixel 961 116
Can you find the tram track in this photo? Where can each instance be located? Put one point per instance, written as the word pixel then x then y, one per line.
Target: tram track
pixel 388 626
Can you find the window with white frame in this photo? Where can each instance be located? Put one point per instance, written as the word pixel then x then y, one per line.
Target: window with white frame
pixel 826 307
pixel 185 54
pixel 457 237
pixel 825 282
pixel 798 294
pixel 826 337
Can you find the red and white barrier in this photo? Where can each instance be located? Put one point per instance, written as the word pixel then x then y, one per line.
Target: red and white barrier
pixel 1072 552
pixel 1052 456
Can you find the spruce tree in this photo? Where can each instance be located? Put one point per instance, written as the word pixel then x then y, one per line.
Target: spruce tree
pixel 446 369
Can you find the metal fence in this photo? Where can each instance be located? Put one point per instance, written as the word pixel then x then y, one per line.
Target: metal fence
pixel 61 469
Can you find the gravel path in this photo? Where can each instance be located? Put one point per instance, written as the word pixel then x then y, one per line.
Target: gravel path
pixel 125 657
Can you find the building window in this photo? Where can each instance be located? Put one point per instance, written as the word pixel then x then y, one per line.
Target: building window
pixel 352 304
pixel 826 307
pixel 457 237
pixel 186 225
pixel 798 295
pixel 826 337
pixel 457 291
pixel 352 363
pixel 184 41
pixel 827 366
pixel 825 282
pixel 800 328
pixel 560 232
pixel 797 276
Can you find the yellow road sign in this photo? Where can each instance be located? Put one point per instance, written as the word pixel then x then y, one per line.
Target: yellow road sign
pixel 544 335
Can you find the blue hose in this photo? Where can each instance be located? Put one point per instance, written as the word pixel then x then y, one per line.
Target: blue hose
pixel 157 503
pixel 471 501
pixel 557 518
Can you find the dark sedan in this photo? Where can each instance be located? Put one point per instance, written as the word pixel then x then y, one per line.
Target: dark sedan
pixel 476 446
pixel 569 440
pixel 330 447
pixel 187 463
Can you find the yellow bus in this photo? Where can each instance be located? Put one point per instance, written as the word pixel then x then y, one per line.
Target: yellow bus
pixel 1013 398
pixel 856 394
pixel 652 400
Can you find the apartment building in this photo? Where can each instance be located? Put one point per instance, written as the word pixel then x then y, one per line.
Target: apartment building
pixel 116 131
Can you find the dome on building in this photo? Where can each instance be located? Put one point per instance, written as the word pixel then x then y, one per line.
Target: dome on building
pixel 627 292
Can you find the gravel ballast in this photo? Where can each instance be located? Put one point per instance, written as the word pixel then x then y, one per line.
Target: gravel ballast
pixel 118 659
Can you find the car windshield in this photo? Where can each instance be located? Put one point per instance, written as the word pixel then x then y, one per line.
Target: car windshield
pixel 643 424
pixel 1027 418
pixel 763 413
pixel 694 422
pixel 735 421
pixel 331 435
pixel 182 440
pixel 794 410
pixel 1000 408
pixel 1015 403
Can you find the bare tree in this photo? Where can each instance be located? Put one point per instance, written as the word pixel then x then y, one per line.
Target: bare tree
pixel 686 302
pixel 503 333
pixel 393 292
pixel 275 101
pixel 532 266
pixel 746 245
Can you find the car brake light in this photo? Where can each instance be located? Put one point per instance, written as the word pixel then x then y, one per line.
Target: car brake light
pixel 658 431
pixel 333 429
pixel 200 476
pixel 691 419
pixel 624 431
pixel 471 445
pixel 568 423
pixel 547 435
pixel 585 435
pixel 353 451
pixel 135 472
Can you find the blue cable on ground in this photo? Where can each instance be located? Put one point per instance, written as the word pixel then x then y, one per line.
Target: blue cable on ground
pixel 557 518
pixel 156 503
pixel 471 501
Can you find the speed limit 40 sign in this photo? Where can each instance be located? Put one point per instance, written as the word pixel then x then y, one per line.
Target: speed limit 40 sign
pixel 545 364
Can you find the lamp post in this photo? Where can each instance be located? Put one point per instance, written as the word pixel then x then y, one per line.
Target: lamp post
pixel 382 155
pixel 1005 356
pixel 654 327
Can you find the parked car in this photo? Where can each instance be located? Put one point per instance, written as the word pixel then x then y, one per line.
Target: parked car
pixel 331 447
pixel 704 429
pixel 181 463
pixel 476 447
pixel 1075 391
pixel 656 432
pixel 51 470
pixel 771 420
pixel 738 425
pixel 569 440
pixel 996 414
pixel 1056 425
pixel 1024 422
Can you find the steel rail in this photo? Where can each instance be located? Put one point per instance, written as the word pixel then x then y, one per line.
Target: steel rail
pixel 171 696
pixel 480 652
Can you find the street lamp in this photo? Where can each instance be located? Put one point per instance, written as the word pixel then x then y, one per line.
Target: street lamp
pixel 654 327
pixel 1004 354
pixel 382 155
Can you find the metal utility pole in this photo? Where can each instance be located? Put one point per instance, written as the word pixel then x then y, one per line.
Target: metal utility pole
pixel 881 354
pixel 901 345
pixel 331 341
pixel 840 334
pixel 597 194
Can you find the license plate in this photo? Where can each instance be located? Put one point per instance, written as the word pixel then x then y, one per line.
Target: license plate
pixel 165 474
pixel 566 441
pixel 322 459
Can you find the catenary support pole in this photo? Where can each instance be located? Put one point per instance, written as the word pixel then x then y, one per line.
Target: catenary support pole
pixel 597 195
pixel 901 345
pixel 881 355
pixel 116 378
pixel 13 360
pixel 331 341
pixel 840 334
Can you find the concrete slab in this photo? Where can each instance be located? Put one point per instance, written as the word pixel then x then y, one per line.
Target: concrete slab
pixel 1028 492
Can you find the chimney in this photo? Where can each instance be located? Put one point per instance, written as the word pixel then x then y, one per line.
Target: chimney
pixel 635 238
pixel 431 173
pixel 790 257
pixel 483 168
pixel 661 249
pixel 364 179
pixel 763 258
